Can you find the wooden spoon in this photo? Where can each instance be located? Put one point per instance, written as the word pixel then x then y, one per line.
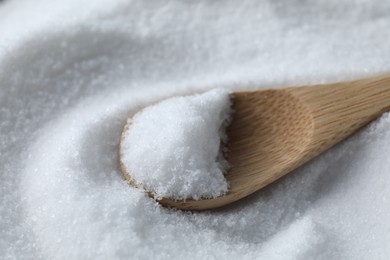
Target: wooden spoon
pixel 275 131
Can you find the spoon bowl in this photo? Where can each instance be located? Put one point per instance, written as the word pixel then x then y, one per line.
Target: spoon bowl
pixel 275 131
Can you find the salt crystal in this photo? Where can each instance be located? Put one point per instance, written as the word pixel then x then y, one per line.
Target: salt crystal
pixel 62 110
pixel 173 148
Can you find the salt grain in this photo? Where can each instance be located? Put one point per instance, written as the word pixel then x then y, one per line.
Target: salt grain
pixel 70 78
pixel 173 148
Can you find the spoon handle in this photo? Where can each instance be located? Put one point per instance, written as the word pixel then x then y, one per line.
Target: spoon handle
pixel 340 109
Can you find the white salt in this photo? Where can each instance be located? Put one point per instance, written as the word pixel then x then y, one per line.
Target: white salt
pixel 174 148
pixel 70 78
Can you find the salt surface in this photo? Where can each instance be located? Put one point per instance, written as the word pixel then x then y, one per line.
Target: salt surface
pixel 173 148
pixel 63 104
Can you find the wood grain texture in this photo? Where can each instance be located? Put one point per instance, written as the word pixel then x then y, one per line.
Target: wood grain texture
pixel 275 131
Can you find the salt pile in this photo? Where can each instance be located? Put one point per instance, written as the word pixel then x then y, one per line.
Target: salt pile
pixel 173 148
pixel 70 78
